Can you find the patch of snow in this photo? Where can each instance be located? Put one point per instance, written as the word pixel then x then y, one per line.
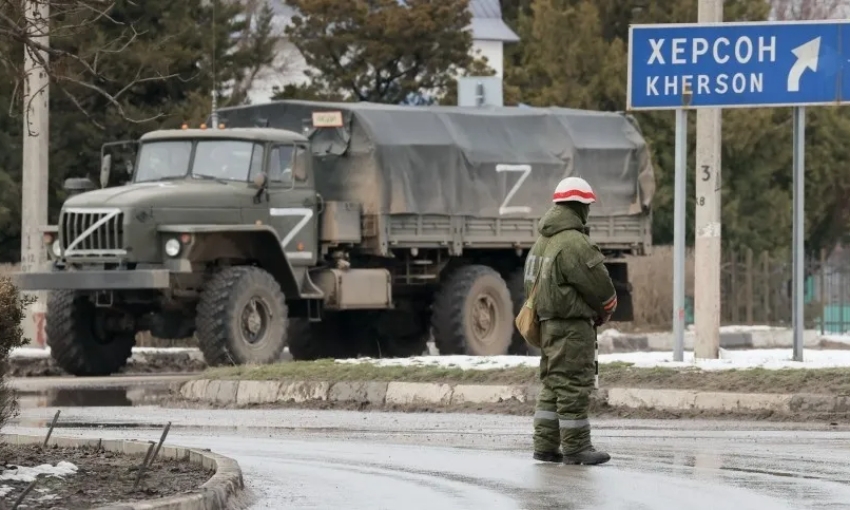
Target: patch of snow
pixel 5 489
pixel 37 352
pixel 750 329
pixel 841 339
pixel 29 474
pixel 163 350
pixel 29 352
pixel 609 333
pixel 729 360
pixel 458 361
pixel 48 497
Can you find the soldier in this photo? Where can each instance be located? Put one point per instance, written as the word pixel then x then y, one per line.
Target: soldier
pixel 575 294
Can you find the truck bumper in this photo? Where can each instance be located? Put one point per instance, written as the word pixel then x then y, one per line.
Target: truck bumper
pixel 93 280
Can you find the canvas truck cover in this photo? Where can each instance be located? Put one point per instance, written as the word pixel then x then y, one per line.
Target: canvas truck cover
pixel 483 162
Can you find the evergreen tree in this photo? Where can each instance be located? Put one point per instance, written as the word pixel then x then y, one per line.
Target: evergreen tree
pixel 382 51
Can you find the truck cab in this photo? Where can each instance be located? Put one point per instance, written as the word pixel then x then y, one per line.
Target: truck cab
pixel 137 256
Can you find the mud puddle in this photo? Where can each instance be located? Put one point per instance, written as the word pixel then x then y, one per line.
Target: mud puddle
pixel 93 397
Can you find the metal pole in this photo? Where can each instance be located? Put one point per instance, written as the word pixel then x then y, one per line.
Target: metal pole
pixel 798 279
pixel 34 182
pixel 679 213
pixel 708 206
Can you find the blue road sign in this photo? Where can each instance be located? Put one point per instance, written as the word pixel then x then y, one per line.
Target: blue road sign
pixel 737 65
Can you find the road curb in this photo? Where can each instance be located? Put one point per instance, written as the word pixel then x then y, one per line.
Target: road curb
pixel 218 493
pixel 232 392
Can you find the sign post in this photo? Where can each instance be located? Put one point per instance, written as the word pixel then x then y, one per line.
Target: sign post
pixel 799 222
pixel 679 212
pixel 742 65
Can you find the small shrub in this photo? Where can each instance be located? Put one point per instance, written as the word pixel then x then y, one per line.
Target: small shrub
pixel 12 311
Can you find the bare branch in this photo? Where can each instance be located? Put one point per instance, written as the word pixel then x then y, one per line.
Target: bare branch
pixel 788 10
pixel 70 64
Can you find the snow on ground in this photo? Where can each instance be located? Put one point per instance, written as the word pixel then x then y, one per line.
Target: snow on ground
pixel 29 352
pixel 738 359
pixel 29 474
pixel 841 339
pixel 37 352
pixel 757 328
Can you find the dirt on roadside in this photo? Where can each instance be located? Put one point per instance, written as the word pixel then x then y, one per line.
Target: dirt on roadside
pixel 100 478
pixel 824 381
pixel 514 408
pixel 611 375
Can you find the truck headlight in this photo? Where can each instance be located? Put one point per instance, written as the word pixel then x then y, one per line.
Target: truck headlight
pixel 172 247
pixel 56 248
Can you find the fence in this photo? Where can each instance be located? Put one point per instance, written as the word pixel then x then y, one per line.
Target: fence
pixel 755 289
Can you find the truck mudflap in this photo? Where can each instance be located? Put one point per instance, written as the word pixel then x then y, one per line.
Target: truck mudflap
pixel 93 280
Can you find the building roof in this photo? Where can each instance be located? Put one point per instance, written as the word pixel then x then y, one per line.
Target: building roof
pixel 487 23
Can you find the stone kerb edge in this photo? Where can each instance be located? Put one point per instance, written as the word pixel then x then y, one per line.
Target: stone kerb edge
pixel 405 393
pixel 217 493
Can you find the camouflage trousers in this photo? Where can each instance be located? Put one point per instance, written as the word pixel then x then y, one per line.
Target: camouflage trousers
pixel 568 373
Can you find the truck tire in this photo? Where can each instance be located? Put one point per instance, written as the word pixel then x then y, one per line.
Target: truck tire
pixel 516 284
pixel 78 343
pixel 235 302
pixel 473 313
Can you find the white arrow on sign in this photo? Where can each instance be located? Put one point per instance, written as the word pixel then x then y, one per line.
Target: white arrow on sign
pixel 807 58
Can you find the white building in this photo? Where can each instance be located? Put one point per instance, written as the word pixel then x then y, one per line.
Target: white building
pixel 489 33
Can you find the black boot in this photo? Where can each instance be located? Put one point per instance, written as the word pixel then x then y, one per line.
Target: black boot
pixel 588 457
pixel 549 456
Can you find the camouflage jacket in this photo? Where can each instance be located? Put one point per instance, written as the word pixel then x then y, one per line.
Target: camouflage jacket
pixel 574 282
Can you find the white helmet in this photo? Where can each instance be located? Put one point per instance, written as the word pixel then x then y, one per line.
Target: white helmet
pixel 574 189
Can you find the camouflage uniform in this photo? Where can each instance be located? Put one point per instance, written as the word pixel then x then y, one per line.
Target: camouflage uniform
pixel 574 294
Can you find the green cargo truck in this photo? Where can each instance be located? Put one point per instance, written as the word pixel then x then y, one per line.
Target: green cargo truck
pixel 336 229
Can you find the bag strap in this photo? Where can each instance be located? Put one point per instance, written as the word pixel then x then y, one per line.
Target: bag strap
pixel 537 278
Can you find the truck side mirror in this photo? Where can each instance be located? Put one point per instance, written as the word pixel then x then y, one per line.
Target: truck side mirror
pixel 105 170
pixel 260 181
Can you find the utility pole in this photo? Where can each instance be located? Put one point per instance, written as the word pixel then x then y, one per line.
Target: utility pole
pixel 708 205
pixel 34 179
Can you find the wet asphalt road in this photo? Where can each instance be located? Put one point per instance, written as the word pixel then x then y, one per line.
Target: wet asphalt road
pixel 338 459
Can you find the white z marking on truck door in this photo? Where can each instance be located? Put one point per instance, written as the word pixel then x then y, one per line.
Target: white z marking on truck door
pixel 516 209
pixel 305 214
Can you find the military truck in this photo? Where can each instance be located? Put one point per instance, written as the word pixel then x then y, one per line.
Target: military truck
pixel 336 229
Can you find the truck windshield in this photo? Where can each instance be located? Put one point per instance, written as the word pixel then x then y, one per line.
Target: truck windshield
pixel 218 159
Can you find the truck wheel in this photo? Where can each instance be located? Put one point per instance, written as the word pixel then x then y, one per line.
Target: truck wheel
pixel 79 340
pixel 473 313
pixel 516 284
pixel 241 318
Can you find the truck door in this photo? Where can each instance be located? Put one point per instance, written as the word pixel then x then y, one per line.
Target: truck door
pixel 293 203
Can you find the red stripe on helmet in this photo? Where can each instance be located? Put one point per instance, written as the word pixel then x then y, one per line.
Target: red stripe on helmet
pixel 574 193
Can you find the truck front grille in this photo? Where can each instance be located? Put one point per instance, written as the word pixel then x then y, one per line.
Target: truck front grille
pixel 92 233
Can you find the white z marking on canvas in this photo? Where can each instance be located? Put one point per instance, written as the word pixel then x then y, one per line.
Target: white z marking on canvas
pixel 517 209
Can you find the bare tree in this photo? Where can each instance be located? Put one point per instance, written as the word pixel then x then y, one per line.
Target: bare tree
pixel 788 10
pixel 267 31
pixel 76 58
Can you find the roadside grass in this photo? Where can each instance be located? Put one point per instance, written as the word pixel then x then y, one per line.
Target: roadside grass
pixel 328 370
pixel 833 381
